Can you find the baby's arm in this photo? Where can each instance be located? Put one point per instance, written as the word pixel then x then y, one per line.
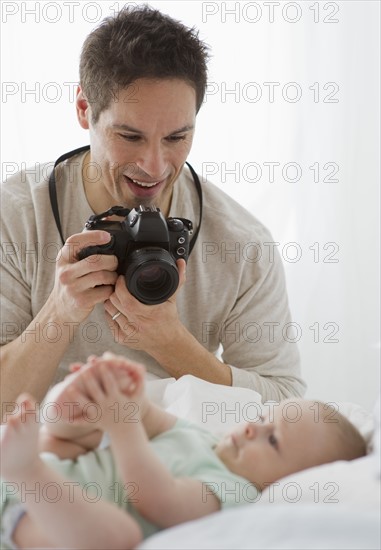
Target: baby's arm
pixel 160 498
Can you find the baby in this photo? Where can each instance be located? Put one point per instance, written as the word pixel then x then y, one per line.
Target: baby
pixel 159 470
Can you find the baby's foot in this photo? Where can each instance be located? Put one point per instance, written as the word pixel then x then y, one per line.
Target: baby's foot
pixel 67 398
pixel 19 440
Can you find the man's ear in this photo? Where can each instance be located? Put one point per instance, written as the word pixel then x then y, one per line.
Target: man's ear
pixel 83 109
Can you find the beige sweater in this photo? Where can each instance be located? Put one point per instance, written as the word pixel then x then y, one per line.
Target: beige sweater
pixel 234 300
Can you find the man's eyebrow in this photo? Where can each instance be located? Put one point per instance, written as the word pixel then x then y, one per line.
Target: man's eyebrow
pixel 127 128
pixel 185 128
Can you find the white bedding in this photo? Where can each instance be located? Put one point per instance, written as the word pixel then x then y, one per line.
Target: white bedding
pixel 275 527
pixel 334 506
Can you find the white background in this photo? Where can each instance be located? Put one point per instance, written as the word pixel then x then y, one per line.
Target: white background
pixel 323 61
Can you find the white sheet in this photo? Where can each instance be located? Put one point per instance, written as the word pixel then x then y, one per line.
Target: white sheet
pixel 275 527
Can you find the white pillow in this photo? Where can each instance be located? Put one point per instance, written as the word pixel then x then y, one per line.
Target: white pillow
pixel 215 407
pixel 360 417
pixel 341 483
pixel 375 444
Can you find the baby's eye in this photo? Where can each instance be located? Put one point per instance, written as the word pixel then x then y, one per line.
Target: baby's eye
pixel 273 440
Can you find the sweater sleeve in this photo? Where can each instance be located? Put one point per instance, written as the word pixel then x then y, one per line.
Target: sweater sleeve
pixel 260 332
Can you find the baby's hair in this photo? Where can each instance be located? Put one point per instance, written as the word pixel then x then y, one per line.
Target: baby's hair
pixel 348 442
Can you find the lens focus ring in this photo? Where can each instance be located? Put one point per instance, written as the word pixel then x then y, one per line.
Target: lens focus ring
pixel 152 275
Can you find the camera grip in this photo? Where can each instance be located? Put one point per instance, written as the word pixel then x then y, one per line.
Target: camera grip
pixel 97 249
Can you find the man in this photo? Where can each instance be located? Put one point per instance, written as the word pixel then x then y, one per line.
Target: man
pixel 142 82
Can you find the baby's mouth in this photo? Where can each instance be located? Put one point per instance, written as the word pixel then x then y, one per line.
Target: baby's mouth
pixel 233 440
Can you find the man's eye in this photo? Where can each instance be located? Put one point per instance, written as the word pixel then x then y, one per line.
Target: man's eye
pixel 176 138
pixel 273 440
pixel 130 137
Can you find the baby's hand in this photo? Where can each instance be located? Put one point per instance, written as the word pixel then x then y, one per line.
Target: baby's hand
pixel 116 387
pixel 129 375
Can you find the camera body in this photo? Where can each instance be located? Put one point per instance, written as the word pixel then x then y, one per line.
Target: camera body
pixel 147 246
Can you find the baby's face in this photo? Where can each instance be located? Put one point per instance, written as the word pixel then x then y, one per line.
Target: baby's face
pixel 286 441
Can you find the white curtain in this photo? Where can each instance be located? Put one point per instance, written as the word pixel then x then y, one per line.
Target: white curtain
pixel 290 129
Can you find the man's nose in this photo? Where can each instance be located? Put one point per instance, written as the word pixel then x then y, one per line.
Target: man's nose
pixel 152 161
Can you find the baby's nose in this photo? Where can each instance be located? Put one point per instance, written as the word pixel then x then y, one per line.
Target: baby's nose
pixel 257 429
pixel 251 430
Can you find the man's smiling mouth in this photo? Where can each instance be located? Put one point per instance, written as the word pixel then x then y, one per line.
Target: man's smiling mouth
pixel 143 184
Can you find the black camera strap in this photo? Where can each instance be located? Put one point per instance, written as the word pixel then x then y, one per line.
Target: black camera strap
pixel 54 200
pixel 53 189
pixel 199 192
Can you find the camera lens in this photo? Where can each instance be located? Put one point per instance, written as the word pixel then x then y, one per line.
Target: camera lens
pixel 152 275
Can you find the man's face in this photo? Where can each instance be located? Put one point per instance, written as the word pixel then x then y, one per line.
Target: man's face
pixel 139 144
pixel 272 448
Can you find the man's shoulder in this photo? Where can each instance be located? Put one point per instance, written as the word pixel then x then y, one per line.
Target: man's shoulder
pixel 28 177
pixel 223 211
pixel 30 183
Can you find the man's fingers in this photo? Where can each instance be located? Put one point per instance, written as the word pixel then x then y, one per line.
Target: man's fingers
pixel 182 267
pixel 78 241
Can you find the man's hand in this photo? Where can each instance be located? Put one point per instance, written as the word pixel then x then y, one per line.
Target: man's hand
pixel 81 284
pixel 140 326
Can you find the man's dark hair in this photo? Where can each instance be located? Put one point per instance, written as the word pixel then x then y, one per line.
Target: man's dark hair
pixel 139 42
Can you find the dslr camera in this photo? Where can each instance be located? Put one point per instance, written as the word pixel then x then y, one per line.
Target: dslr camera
pixel 147 246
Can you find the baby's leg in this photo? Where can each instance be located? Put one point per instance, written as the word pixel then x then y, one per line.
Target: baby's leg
pixel 19 440
pixel 67 403
pixel 101 525
pixel 19 452
pixel 65 438
pixel 65 448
